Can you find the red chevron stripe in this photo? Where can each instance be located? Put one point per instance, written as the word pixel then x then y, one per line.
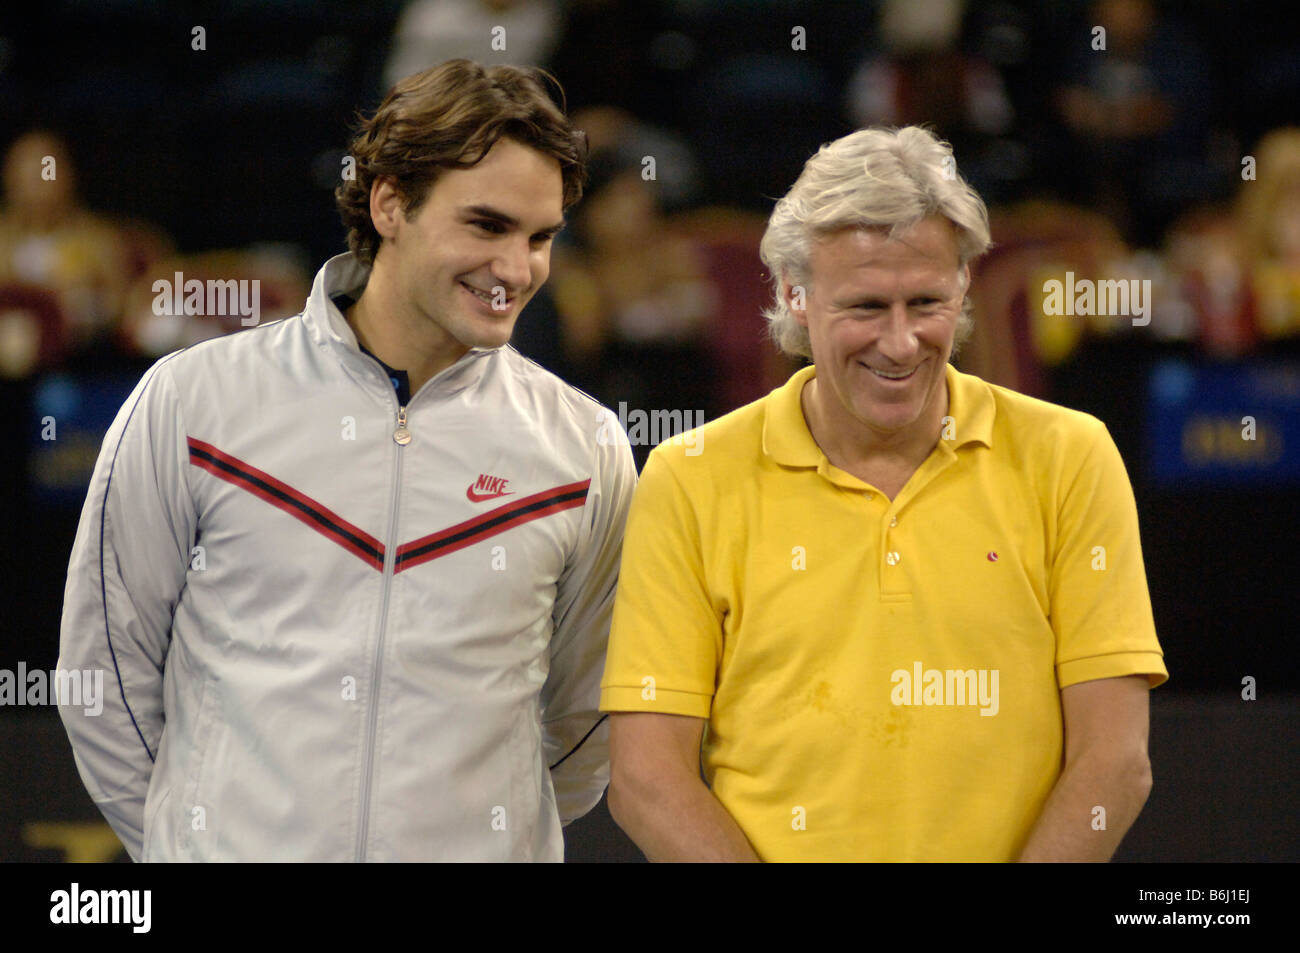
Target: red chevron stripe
pixel 475 530
pixel 307 511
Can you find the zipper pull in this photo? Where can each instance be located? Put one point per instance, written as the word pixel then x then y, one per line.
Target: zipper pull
pixel 401 435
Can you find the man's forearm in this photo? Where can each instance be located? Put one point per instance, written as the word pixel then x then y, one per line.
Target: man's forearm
pixel 1071 828
pixel 101 771
pixel 678 820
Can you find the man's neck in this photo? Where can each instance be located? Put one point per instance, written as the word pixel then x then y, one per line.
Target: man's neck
pixel 399 337
pixel 855 449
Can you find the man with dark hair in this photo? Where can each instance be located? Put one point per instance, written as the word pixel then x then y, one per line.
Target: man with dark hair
pixel 352 571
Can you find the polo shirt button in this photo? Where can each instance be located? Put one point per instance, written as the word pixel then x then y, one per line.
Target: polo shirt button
pixel 893 521
pixel 892 558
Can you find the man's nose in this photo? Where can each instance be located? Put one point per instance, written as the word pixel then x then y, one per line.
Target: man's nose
pixel 511 266
pixel 897 340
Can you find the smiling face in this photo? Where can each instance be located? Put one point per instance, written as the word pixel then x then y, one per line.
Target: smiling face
pixel 478 248
pixel 882 314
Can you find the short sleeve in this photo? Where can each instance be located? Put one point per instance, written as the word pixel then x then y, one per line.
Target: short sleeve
pixel 1100 606
pixel 666 637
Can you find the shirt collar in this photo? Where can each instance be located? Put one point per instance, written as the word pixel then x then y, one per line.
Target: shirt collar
pixel 788 441
pixel 971 407
pixel 341 274
pixel 786 437
pixel 346 274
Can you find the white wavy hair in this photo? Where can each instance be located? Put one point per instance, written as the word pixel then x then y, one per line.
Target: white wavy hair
pixel 873 177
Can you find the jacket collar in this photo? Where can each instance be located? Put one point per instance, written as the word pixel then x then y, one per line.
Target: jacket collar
pixel 329 329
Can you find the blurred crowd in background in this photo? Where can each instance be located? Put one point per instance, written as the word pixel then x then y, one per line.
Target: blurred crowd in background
pixel 217 161
pixel 146 139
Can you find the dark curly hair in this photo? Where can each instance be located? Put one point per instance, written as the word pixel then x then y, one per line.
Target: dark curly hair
pixel 449 117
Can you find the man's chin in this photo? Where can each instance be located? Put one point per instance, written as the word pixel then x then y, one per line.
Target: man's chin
pixel 887 418
pixel 489 337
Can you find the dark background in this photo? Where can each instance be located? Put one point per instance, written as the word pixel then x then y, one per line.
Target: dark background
pixel 240 144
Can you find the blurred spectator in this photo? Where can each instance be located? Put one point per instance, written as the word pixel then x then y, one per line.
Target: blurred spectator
pixel 919 75
pixel 1014 343
pixel 744 362
pixel 632 295
pixel 1137 112
pixel 712 257
pixel 521 32
pixel 1238 267
pixel 626 142
pixel 1204 251
pixel 1268 211
pixel 270 278
pixel 53 248
pixel 616 130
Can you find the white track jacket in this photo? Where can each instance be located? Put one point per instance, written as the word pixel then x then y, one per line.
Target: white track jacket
pixel 322 643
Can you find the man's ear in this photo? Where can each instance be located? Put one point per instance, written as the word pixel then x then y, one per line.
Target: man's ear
pixel 385 206
pixel 796 299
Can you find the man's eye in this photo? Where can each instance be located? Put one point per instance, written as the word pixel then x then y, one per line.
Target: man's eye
pixel 490 226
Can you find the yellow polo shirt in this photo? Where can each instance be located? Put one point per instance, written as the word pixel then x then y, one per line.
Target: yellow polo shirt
pixel 881 678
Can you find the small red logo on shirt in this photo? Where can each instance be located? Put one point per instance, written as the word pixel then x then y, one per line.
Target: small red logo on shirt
pixel 993 557
pixel 487 488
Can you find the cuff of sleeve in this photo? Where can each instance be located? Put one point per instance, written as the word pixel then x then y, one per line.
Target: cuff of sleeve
pixel 1116 665
pixel 664 702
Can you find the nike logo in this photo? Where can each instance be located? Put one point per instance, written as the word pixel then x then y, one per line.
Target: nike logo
pixel 487 488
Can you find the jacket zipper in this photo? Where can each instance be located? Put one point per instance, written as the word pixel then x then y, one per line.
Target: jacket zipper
pixel 401 437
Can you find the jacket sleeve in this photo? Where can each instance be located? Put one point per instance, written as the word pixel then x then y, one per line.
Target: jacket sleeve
pixel 125 576
pixel 575 735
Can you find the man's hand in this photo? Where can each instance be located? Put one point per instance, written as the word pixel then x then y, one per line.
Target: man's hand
pixel 656 794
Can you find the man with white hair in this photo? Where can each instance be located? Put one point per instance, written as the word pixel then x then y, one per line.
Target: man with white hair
pixel 908 605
